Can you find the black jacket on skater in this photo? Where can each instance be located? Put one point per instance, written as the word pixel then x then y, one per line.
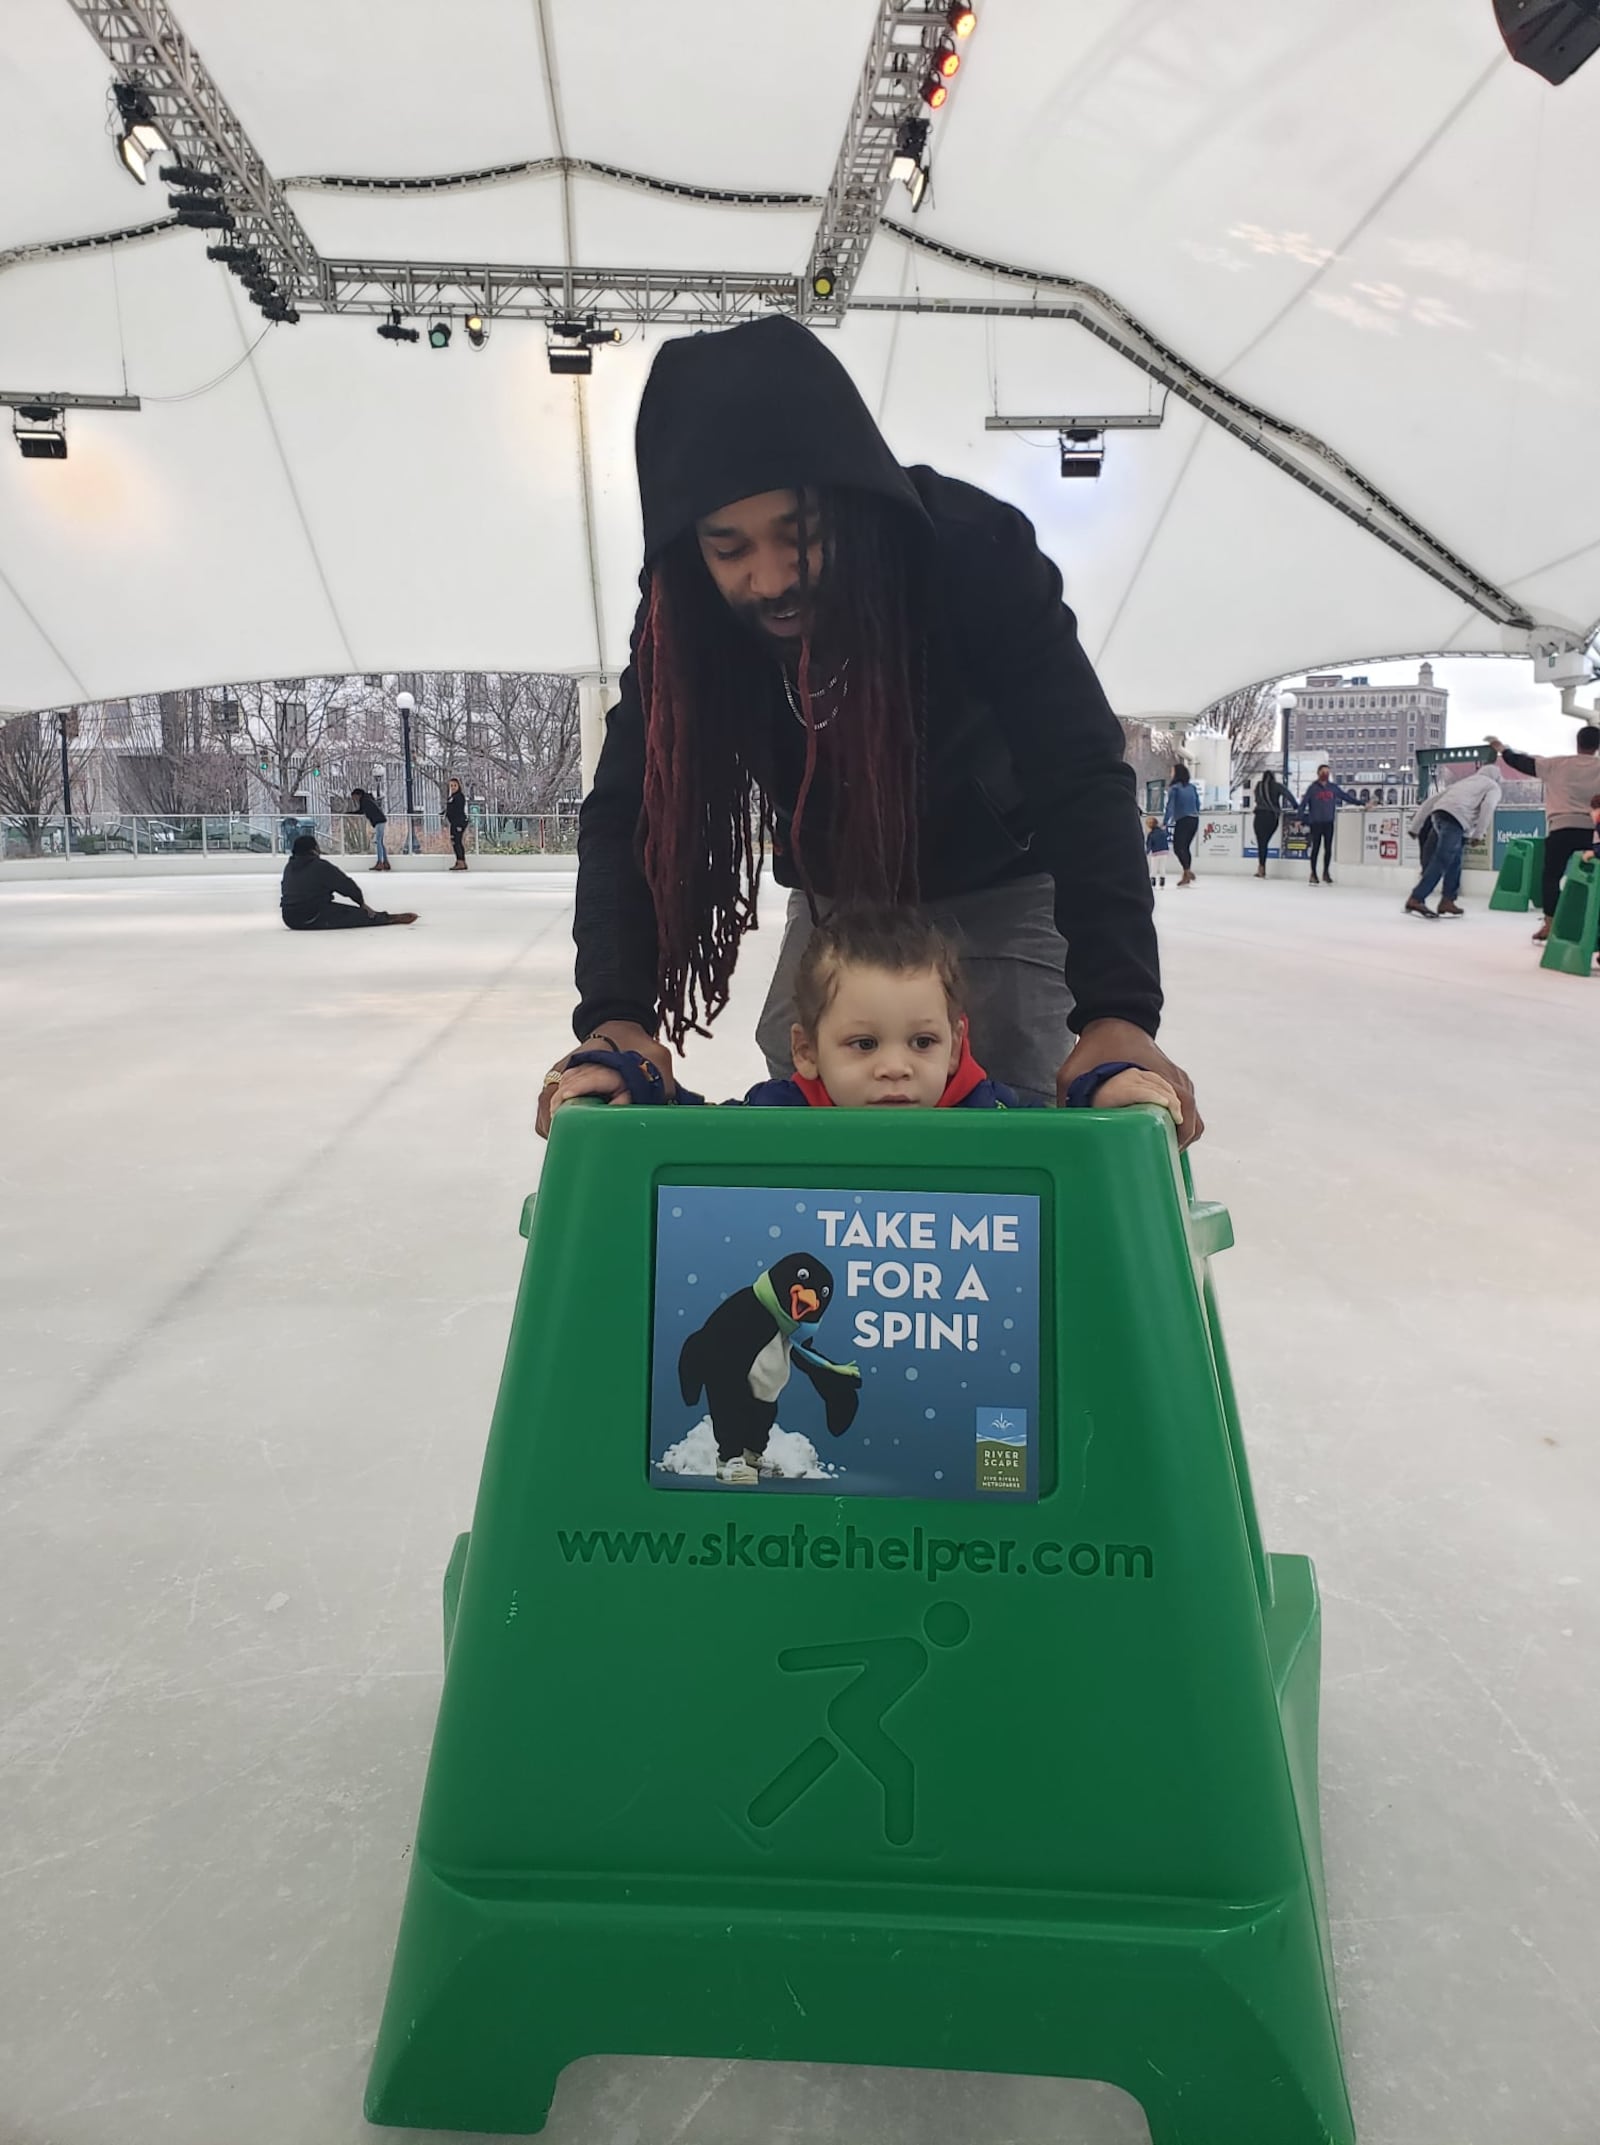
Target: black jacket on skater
pixel 369 807
pixel 455 811
pixel 309 885
pixel 1023 768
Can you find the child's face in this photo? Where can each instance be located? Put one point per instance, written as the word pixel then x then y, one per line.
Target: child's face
pixel 886 1041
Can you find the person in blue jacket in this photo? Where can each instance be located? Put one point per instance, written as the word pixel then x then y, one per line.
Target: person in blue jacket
pixel 1183 817
pixel 880 1025
pixel 1320 804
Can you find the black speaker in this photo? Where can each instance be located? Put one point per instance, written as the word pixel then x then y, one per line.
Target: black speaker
pixel 1553 37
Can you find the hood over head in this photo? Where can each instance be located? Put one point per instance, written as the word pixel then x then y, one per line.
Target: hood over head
pixel 763 407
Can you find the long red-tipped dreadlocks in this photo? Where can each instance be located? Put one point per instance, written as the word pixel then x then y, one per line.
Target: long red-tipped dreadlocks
pixel 706 690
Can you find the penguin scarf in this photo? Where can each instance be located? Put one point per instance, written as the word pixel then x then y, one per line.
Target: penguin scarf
pixel 742 1356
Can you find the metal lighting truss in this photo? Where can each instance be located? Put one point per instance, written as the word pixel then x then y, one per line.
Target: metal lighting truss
pixel 627 296
pixel 904 41
pixel 12 399
pixel 145 45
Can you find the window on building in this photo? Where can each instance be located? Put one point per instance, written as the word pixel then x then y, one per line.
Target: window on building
pixel 292 721
pixel 372 677
pixel 117 727
pixel 338 726
pixel 377 727
pixel 477 692
pixel 477 736
pixel 225 714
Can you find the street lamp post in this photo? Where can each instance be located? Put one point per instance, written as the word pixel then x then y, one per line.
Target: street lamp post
pixel 405 703
pixel 62 721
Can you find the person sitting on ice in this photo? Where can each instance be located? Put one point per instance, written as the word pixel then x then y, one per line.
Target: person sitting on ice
pixel 881 1025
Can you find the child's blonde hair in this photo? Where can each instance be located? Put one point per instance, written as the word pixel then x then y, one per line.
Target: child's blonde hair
pixel 900 941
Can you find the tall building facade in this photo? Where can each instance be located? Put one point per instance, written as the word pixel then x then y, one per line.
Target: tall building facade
pixel 1369 734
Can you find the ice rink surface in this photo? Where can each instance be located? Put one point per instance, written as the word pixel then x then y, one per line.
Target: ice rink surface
pixel 258 1244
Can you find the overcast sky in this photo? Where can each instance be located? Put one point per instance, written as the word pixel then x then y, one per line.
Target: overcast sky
pixel 1495 693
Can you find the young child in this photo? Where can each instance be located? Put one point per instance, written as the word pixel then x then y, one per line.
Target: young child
pixel 879 998
pixel 1159 843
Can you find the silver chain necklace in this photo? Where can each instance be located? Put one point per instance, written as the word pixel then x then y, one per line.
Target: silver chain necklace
pixel 791 694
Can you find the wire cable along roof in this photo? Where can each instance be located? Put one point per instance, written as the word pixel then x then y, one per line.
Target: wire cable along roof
pixel 1336 253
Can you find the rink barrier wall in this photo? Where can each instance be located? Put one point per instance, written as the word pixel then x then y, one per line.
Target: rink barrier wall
pixel 1357 855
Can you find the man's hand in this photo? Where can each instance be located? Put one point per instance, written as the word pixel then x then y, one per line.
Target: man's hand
pixel 619 1035
pixel 1106 1042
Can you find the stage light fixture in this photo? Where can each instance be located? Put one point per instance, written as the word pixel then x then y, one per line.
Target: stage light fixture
pixel 1083 453
pixel 917 186
pixel 205 182
pixel 947 62
pixel 439 335
pixel 40 432
pixel 823 283
pixel 140 138
pixel 477 330
pixel 910 148
pixel 570 345
pixel 962 20
pixel 236 257
pixel 196 212
pixel 934 92
pixel 392 331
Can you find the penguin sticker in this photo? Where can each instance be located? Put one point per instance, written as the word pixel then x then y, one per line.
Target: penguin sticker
pixel 741 1359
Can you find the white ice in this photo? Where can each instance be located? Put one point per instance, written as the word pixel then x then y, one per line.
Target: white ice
pixel 258 1203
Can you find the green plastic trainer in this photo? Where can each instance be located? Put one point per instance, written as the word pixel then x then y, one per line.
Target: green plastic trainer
pixel 1013 1772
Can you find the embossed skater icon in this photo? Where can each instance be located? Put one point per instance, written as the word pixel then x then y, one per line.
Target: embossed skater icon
pixel 889 1670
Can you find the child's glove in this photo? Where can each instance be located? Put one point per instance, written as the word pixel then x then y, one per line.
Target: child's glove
pixel 637 1080
pixel 1119 1087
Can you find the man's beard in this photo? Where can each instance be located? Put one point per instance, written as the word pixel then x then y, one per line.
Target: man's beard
pixel 753 620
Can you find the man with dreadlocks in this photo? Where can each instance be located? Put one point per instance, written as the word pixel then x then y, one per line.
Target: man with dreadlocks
pixel 871 669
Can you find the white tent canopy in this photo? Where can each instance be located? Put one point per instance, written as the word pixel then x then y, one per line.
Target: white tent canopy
pixel 1366 223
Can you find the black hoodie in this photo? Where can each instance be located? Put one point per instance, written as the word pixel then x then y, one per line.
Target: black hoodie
pixel 1023 758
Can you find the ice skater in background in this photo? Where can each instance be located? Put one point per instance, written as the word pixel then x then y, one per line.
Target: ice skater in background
pixel 1159 844
pixel 741 1358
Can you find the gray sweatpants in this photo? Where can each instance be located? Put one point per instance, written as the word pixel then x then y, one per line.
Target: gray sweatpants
pixel 1017 998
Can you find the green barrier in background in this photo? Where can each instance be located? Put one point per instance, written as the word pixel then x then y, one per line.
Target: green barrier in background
pixel 1520 869
pixel 1575 928
pixel 1014 1773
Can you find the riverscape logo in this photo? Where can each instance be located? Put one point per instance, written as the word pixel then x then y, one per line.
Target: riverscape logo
pixel 1003 1451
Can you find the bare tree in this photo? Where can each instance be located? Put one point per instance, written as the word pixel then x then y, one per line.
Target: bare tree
pixel 510 738
pixel 178 758
pixel 285 724
pixel 1248 719
pixel 30 775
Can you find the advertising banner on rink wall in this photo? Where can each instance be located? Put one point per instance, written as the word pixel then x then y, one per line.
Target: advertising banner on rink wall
pixel 1221 836
pixel 1381 835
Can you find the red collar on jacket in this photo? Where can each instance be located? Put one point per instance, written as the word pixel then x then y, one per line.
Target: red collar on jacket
pixel 967 1075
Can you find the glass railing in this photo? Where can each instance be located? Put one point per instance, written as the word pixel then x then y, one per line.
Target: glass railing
pixel 168 834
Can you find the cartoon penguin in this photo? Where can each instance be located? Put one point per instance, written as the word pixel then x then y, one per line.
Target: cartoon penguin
pixel 742 1355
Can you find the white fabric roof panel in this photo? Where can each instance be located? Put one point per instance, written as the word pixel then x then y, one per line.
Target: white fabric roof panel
pixel 1367 222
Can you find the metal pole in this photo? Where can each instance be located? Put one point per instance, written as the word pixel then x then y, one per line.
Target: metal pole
pixel 405 703
pixel 66 786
